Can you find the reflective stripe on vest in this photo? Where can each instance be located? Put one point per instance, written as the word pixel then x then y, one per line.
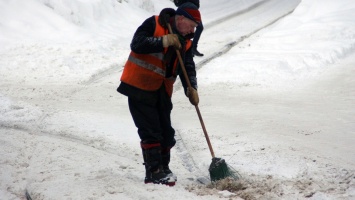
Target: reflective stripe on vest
pixel 147 71
pixel 146 65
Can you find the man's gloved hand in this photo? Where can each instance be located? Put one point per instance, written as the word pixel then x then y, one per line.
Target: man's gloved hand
pixel 171 40
pixel 193 96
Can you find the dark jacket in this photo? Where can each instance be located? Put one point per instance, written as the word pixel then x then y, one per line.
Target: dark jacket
pixel 180 2
pixel 143 42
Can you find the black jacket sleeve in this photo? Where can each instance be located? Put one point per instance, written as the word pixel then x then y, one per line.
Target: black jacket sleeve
pixel 190 70
pixel 143 41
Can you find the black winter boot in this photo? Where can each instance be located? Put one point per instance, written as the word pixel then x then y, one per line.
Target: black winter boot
pixel 165 155
pixel 153 165
pixel 196 53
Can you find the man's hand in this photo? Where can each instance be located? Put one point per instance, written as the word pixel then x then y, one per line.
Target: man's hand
pixel 193 96
pixel 171 40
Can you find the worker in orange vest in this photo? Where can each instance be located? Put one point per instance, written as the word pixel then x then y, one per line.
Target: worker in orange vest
pixel 148 78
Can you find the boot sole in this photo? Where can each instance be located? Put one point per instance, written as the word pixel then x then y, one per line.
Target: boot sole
pixel 168 183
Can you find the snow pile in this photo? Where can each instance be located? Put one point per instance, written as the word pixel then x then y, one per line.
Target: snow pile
pixel 37 43
pixel 299 47
pixel 66 133
pixel 18 115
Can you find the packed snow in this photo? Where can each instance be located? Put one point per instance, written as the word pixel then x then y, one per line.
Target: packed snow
pixel 276 89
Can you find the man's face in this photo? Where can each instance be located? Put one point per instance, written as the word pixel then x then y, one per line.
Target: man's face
pixel 185 25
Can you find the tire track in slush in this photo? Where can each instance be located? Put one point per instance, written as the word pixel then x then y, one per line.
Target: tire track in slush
pixel 188 161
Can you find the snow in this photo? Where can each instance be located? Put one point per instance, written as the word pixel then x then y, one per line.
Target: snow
pixel 276 94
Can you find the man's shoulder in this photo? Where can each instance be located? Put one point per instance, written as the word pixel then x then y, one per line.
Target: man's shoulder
pixel 151 19
pixel 148 23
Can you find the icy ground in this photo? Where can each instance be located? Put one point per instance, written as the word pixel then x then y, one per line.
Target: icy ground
pixel 276 88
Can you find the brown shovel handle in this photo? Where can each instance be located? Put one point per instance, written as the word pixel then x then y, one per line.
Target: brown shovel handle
pixel 196 106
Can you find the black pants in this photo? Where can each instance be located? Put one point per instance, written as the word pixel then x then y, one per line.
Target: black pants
pixel 197 35
pixel 153 120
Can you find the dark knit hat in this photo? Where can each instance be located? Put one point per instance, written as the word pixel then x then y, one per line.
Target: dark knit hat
pixel 189 10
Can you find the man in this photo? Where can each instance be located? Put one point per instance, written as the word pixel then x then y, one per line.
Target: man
pixel 199 27
pixel 148 78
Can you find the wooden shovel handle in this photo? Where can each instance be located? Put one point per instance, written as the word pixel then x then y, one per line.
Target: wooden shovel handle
pixel 196 106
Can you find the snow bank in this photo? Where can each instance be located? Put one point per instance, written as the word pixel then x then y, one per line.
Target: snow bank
pixel 68 20
pixel 298 47
pixel 66 133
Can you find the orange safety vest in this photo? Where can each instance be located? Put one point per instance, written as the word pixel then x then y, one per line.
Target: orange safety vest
pixel 147 71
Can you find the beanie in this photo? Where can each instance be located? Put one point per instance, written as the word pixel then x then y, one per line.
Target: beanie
pixel 190 11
